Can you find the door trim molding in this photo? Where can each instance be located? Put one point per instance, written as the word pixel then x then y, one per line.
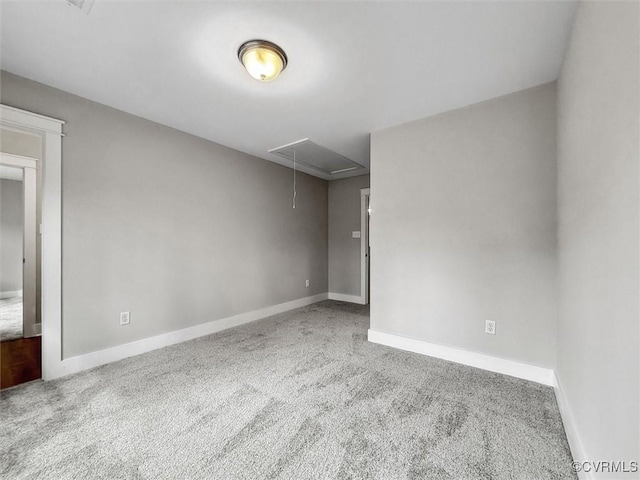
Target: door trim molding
pixel 18 161
pixel 364 241
pixel 50 131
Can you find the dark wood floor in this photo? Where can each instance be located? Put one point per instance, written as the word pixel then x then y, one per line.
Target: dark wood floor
pixel 20 361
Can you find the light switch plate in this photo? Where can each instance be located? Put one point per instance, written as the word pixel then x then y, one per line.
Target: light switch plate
pixel 355 234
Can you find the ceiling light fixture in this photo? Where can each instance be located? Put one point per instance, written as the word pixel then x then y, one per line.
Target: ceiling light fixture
pixel 263 60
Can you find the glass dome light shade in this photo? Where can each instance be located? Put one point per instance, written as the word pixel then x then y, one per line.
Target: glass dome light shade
pixel 263 60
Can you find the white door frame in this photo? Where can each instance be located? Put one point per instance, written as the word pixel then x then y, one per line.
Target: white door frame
pixel 28 166
pixel 50 131
pixel 364 245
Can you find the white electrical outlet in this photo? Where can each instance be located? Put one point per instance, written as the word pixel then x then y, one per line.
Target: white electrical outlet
pixel 307 283
pixel 490 327
pixel 125 318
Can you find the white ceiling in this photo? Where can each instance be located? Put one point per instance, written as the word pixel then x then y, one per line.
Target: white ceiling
pixel 354 67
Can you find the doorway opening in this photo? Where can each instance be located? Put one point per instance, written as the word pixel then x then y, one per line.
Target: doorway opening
pixel 20 326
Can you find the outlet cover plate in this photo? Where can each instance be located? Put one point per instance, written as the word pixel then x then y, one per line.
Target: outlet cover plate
pixel 490 327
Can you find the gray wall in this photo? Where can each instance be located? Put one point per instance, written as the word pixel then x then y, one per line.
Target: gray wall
pixel 174 228
pixel 463 227
pixel 598 147
pixel 344 250
pixel 10 235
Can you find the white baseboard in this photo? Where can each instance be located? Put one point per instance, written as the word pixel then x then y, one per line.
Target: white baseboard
pixel 525 371
pixel 102 357
pixel 14 293
pixel 346 298
pixel 568 421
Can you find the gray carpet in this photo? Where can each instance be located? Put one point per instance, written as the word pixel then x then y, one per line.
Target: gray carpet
pixel 10 318
pixel 301 395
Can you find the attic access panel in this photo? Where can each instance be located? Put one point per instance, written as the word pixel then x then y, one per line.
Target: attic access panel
pixel 317 157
